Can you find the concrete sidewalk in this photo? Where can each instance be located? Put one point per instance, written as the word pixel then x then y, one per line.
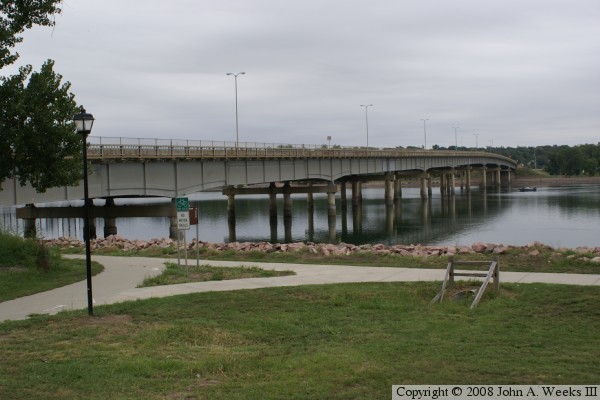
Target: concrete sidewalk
pixel 122 274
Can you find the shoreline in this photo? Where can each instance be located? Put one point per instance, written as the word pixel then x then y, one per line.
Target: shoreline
pixel 325 249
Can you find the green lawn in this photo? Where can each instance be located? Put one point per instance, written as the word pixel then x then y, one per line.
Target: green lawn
pixel 347 341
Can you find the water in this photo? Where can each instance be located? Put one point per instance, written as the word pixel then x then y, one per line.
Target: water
pixel 560 217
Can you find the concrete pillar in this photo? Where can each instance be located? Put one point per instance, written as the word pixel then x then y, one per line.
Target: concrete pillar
pixel 429 185
pixel 498 179
pixel 287 200
pixel 29 230
pixel 110 224
pixel 452 182
pixel 424 187
pixel 173 231
pixel 311 225
pixel 231 207
pixel 343 200
pixel 310 200
pixel 272 201
pixel 507 180
pixel 332 238
pixel 468 178
pixel 331 200
pixel 389 190
pixel 442 184
pixel 273 229
pixel 397 188
pixel 484 177
pixel 356 193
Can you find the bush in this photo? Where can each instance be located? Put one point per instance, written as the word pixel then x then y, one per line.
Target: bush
pixel 24 253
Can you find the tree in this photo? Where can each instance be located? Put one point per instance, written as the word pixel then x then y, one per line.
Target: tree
pixel 38 141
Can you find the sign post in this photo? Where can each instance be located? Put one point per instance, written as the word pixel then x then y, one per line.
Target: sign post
pixel 194 221
pixel 182 206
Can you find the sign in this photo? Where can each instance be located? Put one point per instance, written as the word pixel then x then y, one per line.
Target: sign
pixel 182 204
pixel 194 216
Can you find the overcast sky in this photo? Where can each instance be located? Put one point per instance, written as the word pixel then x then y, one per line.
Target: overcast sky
pixel 514 72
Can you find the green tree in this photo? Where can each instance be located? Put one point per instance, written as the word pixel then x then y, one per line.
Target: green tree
pixel 38 140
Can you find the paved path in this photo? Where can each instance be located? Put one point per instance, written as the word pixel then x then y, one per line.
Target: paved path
pixel 122 274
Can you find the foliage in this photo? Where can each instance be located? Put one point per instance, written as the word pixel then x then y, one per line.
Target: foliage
pixel 557 160
pixel 16 16
pixel 346 341
pixel 38 141
pixel 27 266
pixel 37 134
pixel 173 274
pixel 16 252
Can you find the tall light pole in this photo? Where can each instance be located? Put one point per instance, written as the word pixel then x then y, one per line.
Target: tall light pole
pixel 367 120
pixel 425 130
pixel 476 141
pixel 83 123
pixel 455 137
pixel 237 135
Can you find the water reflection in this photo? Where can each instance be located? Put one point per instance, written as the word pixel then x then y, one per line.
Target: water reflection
pixel 557 216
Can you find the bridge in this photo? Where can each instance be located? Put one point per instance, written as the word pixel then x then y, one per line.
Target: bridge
pixel 123 167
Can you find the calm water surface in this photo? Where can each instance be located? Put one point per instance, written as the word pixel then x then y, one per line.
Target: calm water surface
pixel 565 216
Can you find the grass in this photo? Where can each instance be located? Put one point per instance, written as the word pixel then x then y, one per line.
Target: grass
pixel 347 341
pixel 28 267
pixel 174 274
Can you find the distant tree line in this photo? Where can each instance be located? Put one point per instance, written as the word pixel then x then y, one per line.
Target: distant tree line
pixel 582 159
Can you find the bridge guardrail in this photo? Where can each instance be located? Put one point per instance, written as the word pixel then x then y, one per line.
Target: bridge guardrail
pixel 140 148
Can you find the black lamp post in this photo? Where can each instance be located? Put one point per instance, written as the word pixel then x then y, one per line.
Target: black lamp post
pixel 83 122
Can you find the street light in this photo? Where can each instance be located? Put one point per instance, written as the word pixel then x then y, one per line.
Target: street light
pixel 237 136
pixel 455 137
pixel 367 121
pixel 476 141
pixel 425 130
pixel 83 123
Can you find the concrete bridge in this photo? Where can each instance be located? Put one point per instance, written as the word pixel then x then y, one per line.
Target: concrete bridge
pixel 154 167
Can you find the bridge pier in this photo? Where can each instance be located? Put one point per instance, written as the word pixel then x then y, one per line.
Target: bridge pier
pixel 468 178
pixel 397 188
pixel 356 193
pixel 484 177
pixel 389 190
pixel 343 199
pixel 173 227
pixel 110 223
pixel 429 185
pixel 29 230
pixel 423 186
pixel 506 182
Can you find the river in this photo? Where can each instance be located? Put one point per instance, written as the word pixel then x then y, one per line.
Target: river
pixel 557 216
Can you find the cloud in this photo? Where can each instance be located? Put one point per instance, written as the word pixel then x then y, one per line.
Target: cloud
pixel 514 72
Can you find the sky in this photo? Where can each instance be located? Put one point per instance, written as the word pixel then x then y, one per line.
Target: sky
pixel 504 73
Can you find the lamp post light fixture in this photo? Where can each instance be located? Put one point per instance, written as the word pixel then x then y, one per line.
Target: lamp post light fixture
pixel 329 142
pixel 367 121
pixel 425 130
pixel 455 137
pixel 237 135
pixel 83 123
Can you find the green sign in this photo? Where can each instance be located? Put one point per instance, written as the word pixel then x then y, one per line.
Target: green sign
pixel 182 204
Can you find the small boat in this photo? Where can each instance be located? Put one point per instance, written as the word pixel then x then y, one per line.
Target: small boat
pixel 528 189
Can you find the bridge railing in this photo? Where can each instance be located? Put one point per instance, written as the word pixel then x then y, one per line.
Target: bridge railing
pixel 138 148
